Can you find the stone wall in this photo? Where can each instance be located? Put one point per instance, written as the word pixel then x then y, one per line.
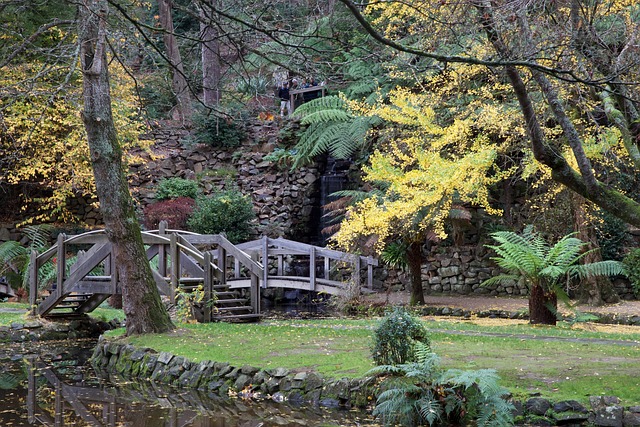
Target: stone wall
pixel 283 385
pixel 283 200
pixel 279 384
pixel 461 270
pixel 34 329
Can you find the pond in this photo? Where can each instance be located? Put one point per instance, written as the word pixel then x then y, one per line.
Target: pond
pixel 51 384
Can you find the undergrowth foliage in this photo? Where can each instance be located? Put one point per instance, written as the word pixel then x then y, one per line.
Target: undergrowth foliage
pixel 176 212
pixel 228 212
pixel 398 338
pixel 632 269
pixel 416 391
pixel 421 393
pixel 173 188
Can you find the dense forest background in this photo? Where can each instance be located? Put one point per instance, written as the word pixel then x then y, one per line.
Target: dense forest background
pixel 496 114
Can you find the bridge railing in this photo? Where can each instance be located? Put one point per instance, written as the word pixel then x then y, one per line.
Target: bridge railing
pixel 185 257
pixel 281 255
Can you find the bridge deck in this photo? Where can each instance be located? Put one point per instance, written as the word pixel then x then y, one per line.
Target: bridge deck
pixel 184 260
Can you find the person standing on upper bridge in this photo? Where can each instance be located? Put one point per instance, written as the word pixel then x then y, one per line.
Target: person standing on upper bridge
pixel 285 103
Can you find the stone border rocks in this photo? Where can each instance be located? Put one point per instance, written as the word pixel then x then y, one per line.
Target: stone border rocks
pixel 282 384
pixel 39 330
pixel 278 384
pixel 606 411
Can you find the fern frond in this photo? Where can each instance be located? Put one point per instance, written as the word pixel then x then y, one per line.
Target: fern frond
pixel 330 102
pixel 500 279
pixel 325 116
pixel 429 408
pixel 597 269
pixel 13 256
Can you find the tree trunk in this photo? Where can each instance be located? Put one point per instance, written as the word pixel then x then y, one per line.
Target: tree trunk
pixel 592 290
pixel 142 306
pixel 178 79
pixel 210 58
pixel 543 306
pixel 590 188
pixel 414 262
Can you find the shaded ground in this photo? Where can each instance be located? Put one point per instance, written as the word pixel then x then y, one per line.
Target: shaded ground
pixel 478 303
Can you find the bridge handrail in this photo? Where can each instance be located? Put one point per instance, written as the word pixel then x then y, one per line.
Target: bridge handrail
pixel 303 249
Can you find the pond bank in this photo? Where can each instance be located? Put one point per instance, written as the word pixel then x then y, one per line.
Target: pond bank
pixel 307 387
pixel 279 384
pixel 36 329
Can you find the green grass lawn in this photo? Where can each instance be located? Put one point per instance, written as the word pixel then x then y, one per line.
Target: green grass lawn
pixel 558 370
pixel 13 312
pixel 340 348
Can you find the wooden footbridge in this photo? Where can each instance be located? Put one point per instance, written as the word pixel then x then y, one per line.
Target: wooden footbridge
pixel 229 277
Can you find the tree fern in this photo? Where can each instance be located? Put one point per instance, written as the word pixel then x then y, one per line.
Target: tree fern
pixel 14 257
pixel 529 257
pixel 331 129
pixel 421 393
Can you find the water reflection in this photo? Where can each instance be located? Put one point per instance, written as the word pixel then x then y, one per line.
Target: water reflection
pixel 63 392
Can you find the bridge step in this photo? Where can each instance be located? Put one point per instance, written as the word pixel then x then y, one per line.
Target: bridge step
pixel 234 301
pixel 234 308
pixel 227 294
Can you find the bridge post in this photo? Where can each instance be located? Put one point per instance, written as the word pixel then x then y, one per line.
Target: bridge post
pixel 208 287
pixel 174 253
pixel 222 264
pixel 255 288
pixel 162 250
pixel 280 265
pixel 60 264
pixel 327 267
pixel 33 280
pixel 312 268
pixel 356 272
pixel 265 261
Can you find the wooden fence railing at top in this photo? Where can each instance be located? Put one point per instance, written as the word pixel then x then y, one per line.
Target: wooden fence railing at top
pixel 180 259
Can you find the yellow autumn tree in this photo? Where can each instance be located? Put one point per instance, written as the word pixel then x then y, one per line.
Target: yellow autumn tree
pixel 423 171
pixel 43 140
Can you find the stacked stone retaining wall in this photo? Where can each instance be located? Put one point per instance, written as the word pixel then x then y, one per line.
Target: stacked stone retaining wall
pixel 280 384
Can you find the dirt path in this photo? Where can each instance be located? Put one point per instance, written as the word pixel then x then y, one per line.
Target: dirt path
pixel 479 303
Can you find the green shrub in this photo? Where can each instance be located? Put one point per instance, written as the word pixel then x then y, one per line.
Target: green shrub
pixel 421 393
pixel 175 211
pixel 217 131
pixel 398 338
pixel 156 95
pixel 173 188
pixel 226 212
pixel 631 264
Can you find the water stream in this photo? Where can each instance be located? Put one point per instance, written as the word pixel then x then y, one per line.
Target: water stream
pixel 51 384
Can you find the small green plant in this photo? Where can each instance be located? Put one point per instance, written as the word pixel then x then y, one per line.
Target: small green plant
pixel 228 212
pixel 398 338
pixel 420 393
pixel 226 172
pixel 14 257
pixel 189 301
pixel 631 264
pixel 281 157
pixel 217 131
pixel 173 188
